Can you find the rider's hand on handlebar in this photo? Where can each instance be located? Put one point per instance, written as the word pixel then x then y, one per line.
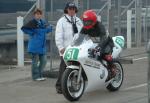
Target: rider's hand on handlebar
pixel 98 51
pixel 94 52
pixel 91 52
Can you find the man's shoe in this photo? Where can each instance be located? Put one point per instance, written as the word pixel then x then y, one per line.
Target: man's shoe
pixel 40 79
pixel 43 79
pixel 59 91
pixel 113 71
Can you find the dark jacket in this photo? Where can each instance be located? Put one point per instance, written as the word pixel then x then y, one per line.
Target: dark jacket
pixel 37 31
pixel 99 31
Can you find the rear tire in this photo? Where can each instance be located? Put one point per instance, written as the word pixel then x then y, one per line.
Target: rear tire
pixel 116 83
pixel 70 89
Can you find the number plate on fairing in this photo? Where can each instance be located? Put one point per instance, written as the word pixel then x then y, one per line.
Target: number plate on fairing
pixel 71 54
pixel 120 41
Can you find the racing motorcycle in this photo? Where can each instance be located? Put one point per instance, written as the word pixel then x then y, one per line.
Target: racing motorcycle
pixel 85 73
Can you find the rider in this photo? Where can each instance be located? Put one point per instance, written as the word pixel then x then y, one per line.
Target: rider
pixel 94 28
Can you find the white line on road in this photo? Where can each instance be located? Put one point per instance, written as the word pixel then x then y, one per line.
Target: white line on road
pixel 139 58
pixel 134 87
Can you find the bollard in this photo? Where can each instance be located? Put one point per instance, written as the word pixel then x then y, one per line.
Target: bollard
pixel 20 42
pixel 148 51
pixel 129 14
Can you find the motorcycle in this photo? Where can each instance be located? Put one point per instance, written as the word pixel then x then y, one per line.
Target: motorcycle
pixel 84 73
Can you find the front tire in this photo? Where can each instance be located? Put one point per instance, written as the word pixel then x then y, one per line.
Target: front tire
pixel 116 83
pixel 70 89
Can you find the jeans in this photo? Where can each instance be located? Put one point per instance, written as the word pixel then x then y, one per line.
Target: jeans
pixel 38 64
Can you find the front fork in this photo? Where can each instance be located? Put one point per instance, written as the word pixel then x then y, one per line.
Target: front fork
pixel 79 74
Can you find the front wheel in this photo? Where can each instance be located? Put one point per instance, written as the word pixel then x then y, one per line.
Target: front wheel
pixel 116 83
pixel 70 88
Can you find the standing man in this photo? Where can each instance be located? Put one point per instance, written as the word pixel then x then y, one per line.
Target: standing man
pixel 67 26
pixel 37 30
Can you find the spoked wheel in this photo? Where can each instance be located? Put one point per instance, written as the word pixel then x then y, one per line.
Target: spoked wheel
pixel 116 83
pixel 70 88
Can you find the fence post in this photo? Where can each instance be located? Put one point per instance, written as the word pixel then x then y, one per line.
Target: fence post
pixel 148 77
pixel 20 42
pixel 129 13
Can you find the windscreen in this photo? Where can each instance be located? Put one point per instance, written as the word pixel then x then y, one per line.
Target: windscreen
pixel 79 39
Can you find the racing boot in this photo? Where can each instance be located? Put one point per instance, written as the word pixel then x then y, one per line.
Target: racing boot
pixel 111 67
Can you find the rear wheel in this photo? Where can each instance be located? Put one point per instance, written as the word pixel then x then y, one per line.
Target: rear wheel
pixel 116 83
pixel 70 88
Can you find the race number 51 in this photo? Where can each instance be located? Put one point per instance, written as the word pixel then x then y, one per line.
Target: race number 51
pixel 71 54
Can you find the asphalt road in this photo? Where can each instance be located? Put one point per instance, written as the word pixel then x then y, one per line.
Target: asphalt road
pixel 16 86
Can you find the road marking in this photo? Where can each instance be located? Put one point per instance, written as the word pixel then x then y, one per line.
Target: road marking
pixel 139 58
pixel 134 87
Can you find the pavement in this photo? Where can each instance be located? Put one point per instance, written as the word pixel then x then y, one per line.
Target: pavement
pixel 16 86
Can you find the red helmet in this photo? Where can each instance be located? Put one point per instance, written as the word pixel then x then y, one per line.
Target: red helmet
pixel 89 19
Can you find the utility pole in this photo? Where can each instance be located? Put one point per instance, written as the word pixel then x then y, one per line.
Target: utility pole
pixel 111 22
pixel 110 18
pixel 41 5
pixel 51 9
pixel 88 4
pixel 148 51
pixel 108 14
pixel 146 20
pixel 119 17
pixel 79 4
pixel 138 7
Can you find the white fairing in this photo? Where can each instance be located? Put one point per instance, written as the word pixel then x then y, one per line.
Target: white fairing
pixel 96 73
pixel 94 77
pixel 93 69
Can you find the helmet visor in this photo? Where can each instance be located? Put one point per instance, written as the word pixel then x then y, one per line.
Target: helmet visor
pixel 87 22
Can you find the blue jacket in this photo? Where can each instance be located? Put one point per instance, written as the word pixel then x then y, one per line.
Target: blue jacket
pixel 37 30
